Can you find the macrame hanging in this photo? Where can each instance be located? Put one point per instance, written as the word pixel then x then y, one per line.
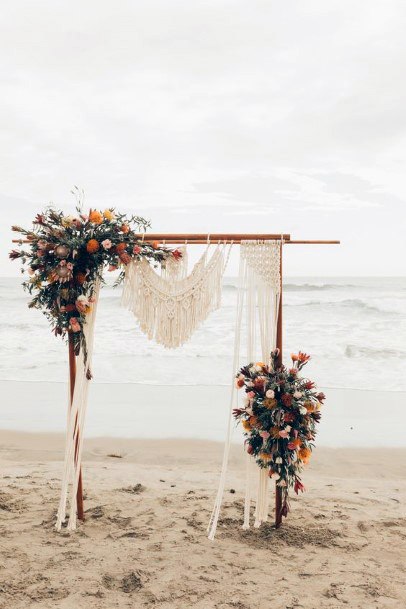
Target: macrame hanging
pixel 258 292
pixel 75 423
pixel 169 307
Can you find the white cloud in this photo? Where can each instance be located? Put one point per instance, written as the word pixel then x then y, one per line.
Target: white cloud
pixel 214 115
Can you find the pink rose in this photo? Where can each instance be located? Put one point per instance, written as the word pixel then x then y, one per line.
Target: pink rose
pixel 251 394
pixel 283 433
pixel 112 268
pixel 107 244
pixel 74 324
pixel 265 435
pixel 136 249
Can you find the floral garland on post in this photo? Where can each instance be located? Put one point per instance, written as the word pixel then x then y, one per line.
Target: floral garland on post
pixel 66 255
pixel 279 419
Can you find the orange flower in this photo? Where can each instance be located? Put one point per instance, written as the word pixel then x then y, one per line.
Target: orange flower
pixel 309 406
pixel 303 357
pixel 80 278
pixel 274 431
pixel 96 217
pixel 269 403
pixel 246 425
pixel 120 247
pixel 265 456
pixel 304 454
pixel 294 357
pixel 92 246
pixel 125 228
pixel 155 245
pixel 253 421
pixel 261 364
pixel 108 214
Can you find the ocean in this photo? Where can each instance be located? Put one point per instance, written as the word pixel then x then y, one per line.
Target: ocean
pixel 353 327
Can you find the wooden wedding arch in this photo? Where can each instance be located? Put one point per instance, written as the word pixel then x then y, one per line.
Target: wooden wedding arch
pixel 202 239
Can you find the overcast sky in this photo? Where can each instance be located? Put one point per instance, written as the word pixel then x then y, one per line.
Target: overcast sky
pixel 209 116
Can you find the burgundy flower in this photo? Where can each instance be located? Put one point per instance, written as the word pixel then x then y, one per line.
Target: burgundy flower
pixel 39 219
pixel 250 449
pixel 287 399
pixel 298 486
pixel 14 254
pixel 177 254
pixel 309 385
pixel 320 396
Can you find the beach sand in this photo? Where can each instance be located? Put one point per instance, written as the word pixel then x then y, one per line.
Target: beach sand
pixel 144 541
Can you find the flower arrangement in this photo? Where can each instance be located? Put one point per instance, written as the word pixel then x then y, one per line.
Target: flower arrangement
pixel 279 418
pixel 64 256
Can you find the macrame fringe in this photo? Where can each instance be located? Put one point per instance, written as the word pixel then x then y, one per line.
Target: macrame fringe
pixel 169 309
pixel 259 281
pixel 75 426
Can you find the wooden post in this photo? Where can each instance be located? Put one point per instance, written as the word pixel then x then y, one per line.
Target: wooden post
pixel 279 345
pixel 72 379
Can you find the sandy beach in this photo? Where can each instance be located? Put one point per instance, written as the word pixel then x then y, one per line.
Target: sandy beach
pixel 144 541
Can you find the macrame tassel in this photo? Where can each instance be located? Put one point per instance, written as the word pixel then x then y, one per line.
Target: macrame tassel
pixel 169 311
pixel 75 425
pixel 248 490
pixel 262 505
pixel 259 285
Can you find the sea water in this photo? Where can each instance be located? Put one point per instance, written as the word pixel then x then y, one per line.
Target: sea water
pixel 353 327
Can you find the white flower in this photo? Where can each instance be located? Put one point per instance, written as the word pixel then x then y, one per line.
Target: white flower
pixel 303 410
pixel 278 460
pixel 83 299
pixel 288 428
pixel 270 393
pixel 297 395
